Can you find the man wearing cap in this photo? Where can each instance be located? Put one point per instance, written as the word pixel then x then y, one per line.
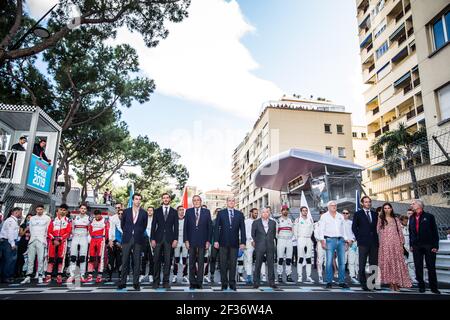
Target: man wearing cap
pixel 19 145
pixel 285 232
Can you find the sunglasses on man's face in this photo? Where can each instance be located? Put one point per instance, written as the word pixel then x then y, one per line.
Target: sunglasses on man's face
pixel 345 212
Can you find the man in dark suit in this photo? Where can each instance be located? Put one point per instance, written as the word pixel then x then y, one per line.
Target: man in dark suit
pixel 133 224
pixel 164 237
pixel 364 228
pixel 196 235
pixel 424 242
pixel 263 234
pixel 229 223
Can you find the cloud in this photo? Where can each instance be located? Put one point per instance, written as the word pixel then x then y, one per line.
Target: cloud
pixel 203 60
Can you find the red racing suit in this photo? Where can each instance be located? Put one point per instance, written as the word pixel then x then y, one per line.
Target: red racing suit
pixel 59 229
pixel 99 231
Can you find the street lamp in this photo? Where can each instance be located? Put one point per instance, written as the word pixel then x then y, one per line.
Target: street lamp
pixel 36 30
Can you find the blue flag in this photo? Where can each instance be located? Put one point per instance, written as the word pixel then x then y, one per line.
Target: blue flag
pixel 130 200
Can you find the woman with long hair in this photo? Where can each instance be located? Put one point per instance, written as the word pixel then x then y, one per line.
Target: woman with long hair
pixel 393 269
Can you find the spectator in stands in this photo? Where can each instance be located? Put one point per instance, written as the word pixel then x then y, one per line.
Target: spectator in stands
pixel 39 150
pixel 19 145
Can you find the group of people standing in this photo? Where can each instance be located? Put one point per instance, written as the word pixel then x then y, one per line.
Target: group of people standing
pixel 166 238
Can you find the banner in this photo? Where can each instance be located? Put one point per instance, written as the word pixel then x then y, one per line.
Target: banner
pixel 39 174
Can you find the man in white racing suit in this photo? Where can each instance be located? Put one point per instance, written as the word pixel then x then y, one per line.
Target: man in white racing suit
pixel 249 249
pixel 285 231
pixel 351 254
pixel 303 231
pixel 180 252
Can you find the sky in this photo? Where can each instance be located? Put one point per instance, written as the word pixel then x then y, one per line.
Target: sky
pixel 219 65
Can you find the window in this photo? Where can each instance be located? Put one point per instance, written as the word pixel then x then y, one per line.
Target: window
pixel 376 10
pixel 328 150
pixel 363 135
pixel 341 152
pixel 327 128
pixel 340 129
pixel 354 154
pixel 382 49
pixel 380 28
pixel 441 31
pixel 444 102
pixel 355 135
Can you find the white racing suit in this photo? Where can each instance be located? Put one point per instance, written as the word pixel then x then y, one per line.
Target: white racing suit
pixel 79 244
pixel 351 255
pixel 303 230
pixel 285 231
pixel 248 253
pixel 180 252
pixel 321 253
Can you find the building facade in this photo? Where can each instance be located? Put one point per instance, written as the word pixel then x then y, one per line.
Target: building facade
pixel 214 199
pixel 283 124
pixel 407 76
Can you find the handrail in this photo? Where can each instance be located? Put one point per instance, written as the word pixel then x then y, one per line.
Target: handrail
pixel 10 158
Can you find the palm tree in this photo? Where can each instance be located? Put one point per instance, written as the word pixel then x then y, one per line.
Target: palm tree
pixel 400 144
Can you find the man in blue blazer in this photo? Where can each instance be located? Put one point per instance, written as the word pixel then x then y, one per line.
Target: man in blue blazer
pixel 196 235
pixel 364 228
pixel 133 224
pixel 164 238
pixel 229 223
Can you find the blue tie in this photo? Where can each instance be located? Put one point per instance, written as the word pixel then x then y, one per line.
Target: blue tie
pixel 231 217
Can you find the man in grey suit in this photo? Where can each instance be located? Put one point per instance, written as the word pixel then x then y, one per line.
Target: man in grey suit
pixel 263 234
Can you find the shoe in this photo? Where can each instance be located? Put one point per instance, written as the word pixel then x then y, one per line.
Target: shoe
pixel 274 286
pixel 321 280
pixel 141 278
pixel 36 276
pixel 300 279
pixel 121 286
pixel 166 286
pixel 264 278
pixel 155 286
pixel 223 288
pixel 206 278
pixel 280 278
pixel 137 287
pixel 185 279
pixel 329 286
pixel 343 285
pixel 40 280
pixel 354 281
pixel 150 279
pixel 421 290
pixel 26 280
pixel 241 278
pixel 289 279
pixel 199 286
pixel 70 279
pixel 435 291
pixel 59 279
pixel 89 278
pixel 48 278
pixel 256 286
pixel 99 279
pixel 174 279
pixel 192 287
pixel 233 287
pixel 365 288
pixel 309 280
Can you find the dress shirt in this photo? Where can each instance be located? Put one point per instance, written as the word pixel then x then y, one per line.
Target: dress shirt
pixel 10 230
pixel 333 227
pixel 266 225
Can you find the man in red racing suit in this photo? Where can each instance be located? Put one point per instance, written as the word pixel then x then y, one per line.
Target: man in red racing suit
pixel 99 231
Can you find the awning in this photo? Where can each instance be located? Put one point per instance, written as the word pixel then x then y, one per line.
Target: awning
pixel 404 78
pixel 378 168
pixel 276 172
pixel 371 101
pixel 364 24
pixel 383 67
pixel 403 53
pixel 397 33
pixel 366 41
pixel 415 69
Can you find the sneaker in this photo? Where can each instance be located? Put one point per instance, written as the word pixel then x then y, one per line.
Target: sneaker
pixel 264 278
pixel 354 281
pixel 70 279
pixel 150 279
pixel 59 279
pixel 89 278
pixel 185 280
pixel 309 280
pixel 99 279
pixel 241 278
pixel 206 278
pixel 26 280
pixel 289 279
pixel 280 278
pixel 40 280
pixel 48 278
pixel 174 279
pixel 36 276
pixel 300 279
pixel 321 280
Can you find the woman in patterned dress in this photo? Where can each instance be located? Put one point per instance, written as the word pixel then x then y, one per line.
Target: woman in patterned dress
pixel 393 269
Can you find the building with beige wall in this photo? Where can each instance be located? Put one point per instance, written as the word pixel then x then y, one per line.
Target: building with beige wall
pixel 361 151
pixel 290 122
pixel 217 198
pixel 407 76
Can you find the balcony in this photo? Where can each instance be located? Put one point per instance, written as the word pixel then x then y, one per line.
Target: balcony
pixel 416 82
pixel 377 133
pixel 411 114
pixel 385 128
pixel 420 109
pixel 407 88
pixel 375 111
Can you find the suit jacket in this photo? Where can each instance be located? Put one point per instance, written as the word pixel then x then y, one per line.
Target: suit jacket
pixel 264 241
pixel 228 235
pixel 197 235
pixel 364 231
pixel 130 229
pixel 168 228
pixel 428 233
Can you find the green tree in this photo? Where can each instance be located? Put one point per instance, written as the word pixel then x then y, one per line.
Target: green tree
pixel 401 145
pixel 146 17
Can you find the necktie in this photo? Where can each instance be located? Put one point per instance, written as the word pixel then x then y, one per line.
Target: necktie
pixel 231 217
pixel 369 216
pixel 197 217
pixel 165 213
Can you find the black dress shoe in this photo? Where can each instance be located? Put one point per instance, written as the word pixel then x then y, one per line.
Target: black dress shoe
pixel 435 291
pixel 155 286
pixel 274 286
pixel 365 288
pixel 343 285
pixel 329 286
pixel 192 287
pixel 256 286
pixel 199 286
pixel 233 288
pixel 137 287
pixel 166 286
pixel 121 286
pixel 421 290
pixel 224 288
